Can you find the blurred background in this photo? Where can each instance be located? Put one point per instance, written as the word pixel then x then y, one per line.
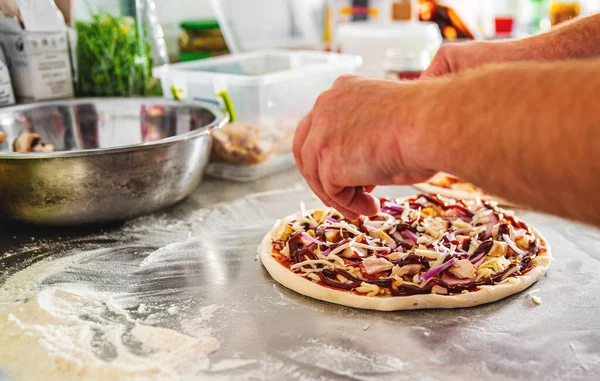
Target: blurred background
pixel 488 18
pixel 262 61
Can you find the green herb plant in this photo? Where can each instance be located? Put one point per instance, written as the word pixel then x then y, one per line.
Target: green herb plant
pixel 113 59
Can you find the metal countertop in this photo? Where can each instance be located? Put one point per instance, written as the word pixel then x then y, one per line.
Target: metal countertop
pixel 203 252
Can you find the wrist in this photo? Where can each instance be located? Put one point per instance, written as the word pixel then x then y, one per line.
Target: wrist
pixel 427 119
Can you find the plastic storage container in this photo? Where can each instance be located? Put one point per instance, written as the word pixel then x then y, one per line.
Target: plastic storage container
pixel 269 92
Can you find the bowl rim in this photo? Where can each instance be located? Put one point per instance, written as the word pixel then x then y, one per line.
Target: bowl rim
pixel 221 119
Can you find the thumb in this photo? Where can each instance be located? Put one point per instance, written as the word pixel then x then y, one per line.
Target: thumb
pixel 440 64
pixel 438 67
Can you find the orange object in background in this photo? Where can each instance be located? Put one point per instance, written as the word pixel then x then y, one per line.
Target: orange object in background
pixel 450 23
pixel 402 10
pixel 561 11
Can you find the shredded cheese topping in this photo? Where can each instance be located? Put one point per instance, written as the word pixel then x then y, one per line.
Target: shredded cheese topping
pixel 405 249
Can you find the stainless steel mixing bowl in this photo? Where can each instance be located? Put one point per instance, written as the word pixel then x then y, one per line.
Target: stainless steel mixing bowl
pixel 115 158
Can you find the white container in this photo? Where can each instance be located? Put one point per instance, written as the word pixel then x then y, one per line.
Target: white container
pixel 343 11
pixel 37 51
pixel 7 97
pixel 270 91
pixel 371 41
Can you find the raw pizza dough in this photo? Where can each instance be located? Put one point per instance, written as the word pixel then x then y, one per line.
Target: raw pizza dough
pixel 485 294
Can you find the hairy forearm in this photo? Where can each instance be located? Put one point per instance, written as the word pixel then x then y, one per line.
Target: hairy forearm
pixel 525 131
pixel 577 39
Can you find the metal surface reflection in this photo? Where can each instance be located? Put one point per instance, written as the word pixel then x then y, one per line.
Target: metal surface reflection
pixel 202 252
pixel 114 159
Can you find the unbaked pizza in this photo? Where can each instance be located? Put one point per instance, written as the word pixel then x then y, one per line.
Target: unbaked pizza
pixel 451 186
pixel 419 252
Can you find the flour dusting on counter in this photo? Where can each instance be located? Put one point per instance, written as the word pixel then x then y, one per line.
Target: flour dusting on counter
pixel 73 332
pixel 200 261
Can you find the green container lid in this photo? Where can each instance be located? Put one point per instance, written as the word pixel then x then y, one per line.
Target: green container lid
pixel 187 56
pixel 199 24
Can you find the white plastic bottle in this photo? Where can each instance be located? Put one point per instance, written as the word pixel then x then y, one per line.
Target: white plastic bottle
pixel 7 96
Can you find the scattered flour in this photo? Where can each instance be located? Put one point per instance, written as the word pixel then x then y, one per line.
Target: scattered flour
pixel 199 323
pixel 230 364
pixel 62 332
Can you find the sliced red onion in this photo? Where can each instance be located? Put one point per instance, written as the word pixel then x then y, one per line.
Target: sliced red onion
pixel 332 220
pixel 394 207
pixel 310 245
pixel 311 239
pixel 411 236
pixel 391 212
pixel 513 245
pixel 326 252
pixel 399 238
pixel 493 221
pixel 478 260
pixel 461 211
pixel 433 272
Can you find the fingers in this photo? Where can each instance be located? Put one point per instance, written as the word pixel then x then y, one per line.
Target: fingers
pixel 344 79
pixel 354 199
pixel 369 188
pixel 439 66
pixel 365 203
pixel 311 174
pixel 308 148
pixel 299 138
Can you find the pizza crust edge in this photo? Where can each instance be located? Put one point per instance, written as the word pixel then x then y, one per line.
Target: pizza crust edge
pixel 460 195
pixel 486 294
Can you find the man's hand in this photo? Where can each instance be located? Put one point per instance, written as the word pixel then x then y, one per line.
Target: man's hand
pixel 362 132
pixel 576 39
pixel 454 58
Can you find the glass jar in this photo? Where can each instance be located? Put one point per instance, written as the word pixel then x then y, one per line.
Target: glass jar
pixel 116 48
pixel 201 39
pixel 405 64
pixel 561 11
